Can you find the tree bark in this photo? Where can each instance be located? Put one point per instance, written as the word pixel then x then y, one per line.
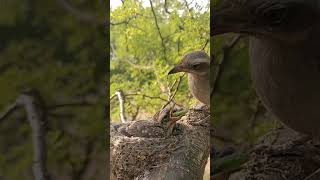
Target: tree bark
pixel 36 115
pixel 140 150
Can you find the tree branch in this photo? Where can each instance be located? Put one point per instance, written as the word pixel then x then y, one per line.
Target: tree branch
pixel 60 115
pixel 165 5
pixel 9 110
pixel 221 66
pixel 127 21
pixel 121 98
pixel 71 104
pixel 134 116
pixel 159 32
pixel 147 96
pixel 187 6
pixel 80 15
pixel 205 45
pixel 36 115
pixel 172 95
pixel 138 66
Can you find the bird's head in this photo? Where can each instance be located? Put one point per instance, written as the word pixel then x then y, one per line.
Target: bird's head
pixel 291 20
pixel 197 63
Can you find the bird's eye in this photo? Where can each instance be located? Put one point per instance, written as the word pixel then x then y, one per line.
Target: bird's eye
pixel 195 66
pixel 276 16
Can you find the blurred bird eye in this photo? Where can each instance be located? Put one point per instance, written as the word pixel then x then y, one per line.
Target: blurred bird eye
pixel 195 66
pixel 276 16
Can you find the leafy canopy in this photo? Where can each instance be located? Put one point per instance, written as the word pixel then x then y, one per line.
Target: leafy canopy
pixel 146 42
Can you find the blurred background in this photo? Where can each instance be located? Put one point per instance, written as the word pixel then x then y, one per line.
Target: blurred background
pixel 239 117
pixel 58 49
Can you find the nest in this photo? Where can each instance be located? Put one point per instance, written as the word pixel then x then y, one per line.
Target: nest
pixel 139 147
pixel 283 154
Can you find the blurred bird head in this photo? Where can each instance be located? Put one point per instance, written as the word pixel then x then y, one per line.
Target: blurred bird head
pixel 290 20
pixel 197 63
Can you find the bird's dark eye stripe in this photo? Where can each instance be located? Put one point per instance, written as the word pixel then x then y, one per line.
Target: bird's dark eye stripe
pixel 196 65
pixel 276 15
pixel 272 12
pixel 199 65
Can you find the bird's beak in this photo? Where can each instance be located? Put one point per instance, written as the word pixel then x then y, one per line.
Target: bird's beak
pixel 229 19
pixel 176 69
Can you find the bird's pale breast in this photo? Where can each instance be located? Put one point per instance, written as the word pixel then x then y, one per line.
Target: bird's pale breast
pixel 200 87
pixel 288 82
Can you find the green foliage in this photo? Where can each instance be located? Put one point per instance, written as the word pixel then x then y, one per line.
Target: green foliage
pixel 43 46
pixel 142 55
pixel 229 163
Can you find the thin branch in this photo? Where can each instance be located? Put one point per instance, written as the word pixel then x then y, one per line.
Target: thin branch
pixel 121 98
pixel 138 66
pixel 207 41
pixel 175 92
pixel 71 104
pixel 221 67
pixel 137 27
pixel 166 7
pixel 134 116
pixel 9 110
pixel 173 85
pixel 159 32
pixel 60 115
pixel 127 21
pixel 79 14
pixel 187 6
pixel 113 53
pixel 36 115
pixel 147 96
pixel 113 96
pixel 157 97
pixel 119 23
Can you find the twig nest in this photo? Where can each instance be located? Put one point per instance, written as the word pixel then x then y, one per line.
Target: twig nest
pixel 281 154
pixel 140 147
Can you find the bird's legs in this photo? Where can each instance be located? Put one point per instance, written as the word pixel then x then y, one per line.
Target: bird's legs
pixel 171 121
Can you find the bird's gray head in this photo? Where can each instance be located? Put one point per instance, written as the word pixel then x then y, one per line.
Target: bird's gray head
pixel 197 63
pixel 291 20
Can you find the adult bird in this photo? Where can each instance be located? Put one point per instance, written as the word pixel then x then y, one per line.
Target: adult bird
pixel 284 55
pixel 197 65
